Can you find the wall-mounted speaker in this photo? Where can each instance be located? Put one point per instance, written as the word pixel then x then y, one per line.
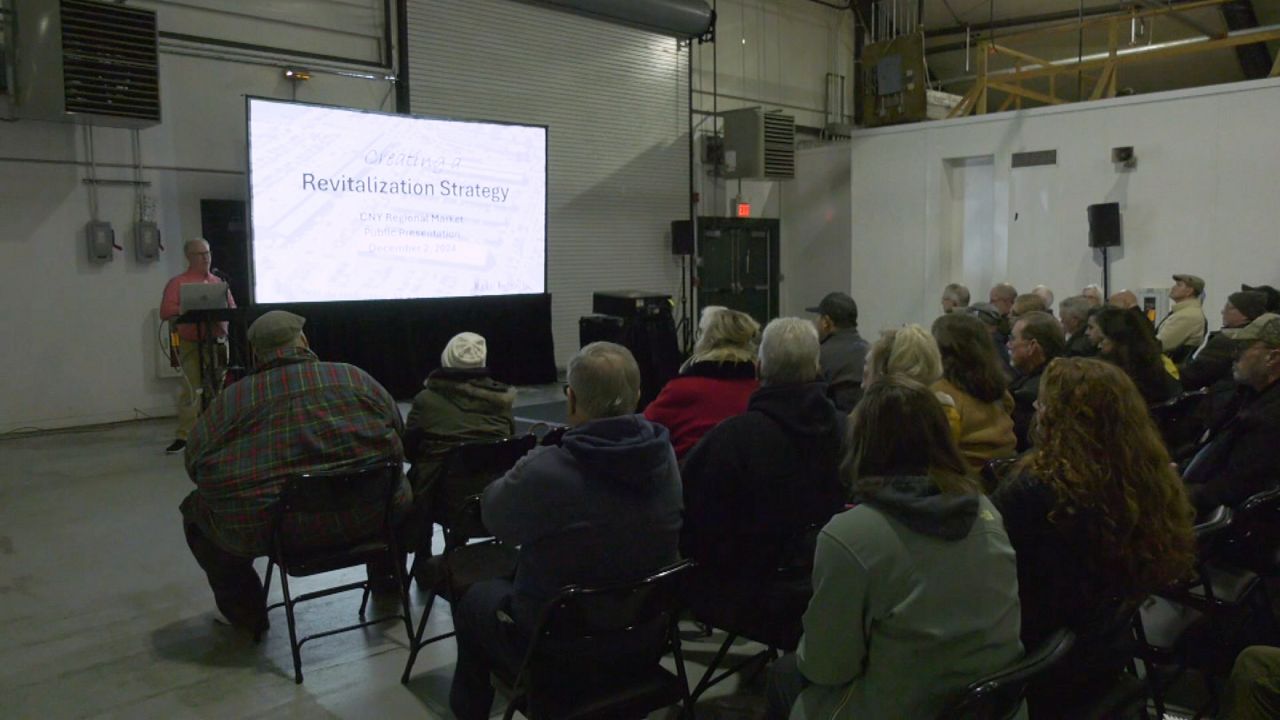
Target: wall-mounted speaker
pixel 1104 225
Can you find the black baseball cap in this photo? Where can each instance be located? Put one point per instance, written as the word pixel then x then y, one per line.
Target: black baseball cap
pixel 838 306
pixel 1273 295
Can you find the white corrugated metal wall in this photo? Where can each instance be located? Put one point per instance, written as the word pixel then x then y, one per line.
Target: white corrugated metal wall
pixel 616 102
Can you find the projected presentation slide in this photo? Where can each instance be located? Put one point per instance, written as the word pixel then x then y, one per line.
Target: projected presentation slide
pixel 351 205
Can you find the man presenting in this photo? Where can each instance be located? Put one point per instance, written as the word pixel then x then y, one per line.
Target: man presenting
pixel 199 263
pixel 294 414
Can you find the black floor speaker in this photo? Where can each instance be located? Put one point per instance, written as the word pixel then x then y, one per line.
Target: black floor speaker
pixel 650 338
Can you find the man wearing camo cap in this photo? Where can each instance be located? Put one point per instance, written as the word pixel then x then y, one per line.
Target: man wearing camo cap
pixel 1239 459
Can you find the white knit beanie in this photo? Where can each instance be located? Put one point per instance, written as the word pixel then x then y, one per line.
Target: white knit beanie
pixel 465 350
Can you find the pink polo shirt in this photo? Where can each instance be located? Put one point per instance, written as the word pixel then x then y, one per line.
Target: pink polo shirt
pixel 169 305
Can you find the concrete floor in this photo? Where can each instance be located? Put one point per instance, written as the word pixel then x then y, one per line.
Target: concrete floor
pixel 103 612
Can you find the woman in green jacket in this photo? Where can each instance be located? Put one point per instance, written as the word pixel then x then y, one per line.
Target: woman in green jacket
pixel 915 591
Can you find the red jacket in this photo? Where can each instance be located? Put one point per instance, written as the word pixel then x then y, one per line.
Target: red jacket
pixel 697 400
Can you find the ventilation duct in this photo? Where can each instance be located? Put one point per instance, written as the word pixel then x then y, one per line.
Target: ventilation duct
pixel 682 18
pixel 86 61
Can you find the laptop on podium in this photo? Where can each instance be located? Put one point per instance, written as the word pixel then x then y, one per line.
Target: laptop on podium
pixel 202 296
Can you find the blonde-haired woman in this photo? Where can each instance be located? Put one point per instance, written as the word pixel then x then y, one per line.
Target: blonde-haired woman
pixel 714 383
pixel 911 352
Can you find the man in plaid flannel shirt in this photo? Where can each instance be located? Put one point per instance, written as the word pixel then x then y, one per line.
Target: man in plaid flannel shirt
pixel 294 414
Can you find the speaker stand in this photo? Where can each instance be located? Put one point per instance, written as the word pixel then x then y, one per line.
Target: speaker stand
pixel 1106 274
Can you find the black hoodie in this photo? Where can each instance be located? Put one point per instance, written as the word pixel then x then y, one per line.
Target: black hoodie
pixel 760 480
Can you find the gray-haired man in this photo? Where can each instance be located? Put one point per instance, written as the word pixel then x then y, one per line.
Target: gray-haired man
pixel 602 508
pixel 758 482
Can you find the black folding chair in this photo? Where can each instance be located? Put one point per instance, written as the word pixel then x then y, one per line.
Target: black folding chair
pixel 336 492
pixel 1180 421
pixel 767 609
pixel 999 696
pixel 1253 542
pixel 583 624
pixel 995 471
pixel 471 553
pixel 1199 622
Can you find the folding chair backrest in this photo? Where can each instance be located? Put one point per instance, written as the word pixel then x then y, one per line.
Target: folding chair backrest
pixel 468 470
pixel 1253 541
pixel 339 490
pixel 349 495
pixel 1211 530
pixel 554 436
pixel 994 471
pixel 1179 419
pixel 587 618
pixel 578 612
pixel 999 696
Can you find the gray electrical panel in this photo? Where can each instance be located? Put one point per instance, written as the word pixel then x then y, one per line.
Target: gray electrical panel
pixel 101 241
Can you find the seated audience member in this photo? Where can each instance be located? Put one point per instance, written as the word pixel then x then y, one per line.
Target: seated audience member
pixel 294 414
pixel 844 352
pixel 911 352
pixel 1002 297
pixel 714 383
pixel 1239 457
pixel 1093 294
pixel 1024 304
pixel 1253 690
pixel 1046 295
pixel 1212 363
pixel 759 482
pixel 1092 526
pixel 972 376
pixel 1074 314
pixel 1183 329
pixel 602 508
pixel 1036 340
pixel 459 403
pixel 915 591
pixel 954 296
pixel 1126 339
pixel 997 327
pixel 1124 300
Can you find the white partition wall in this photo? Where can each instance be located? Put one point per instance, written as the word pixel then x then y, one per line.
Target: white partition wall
pixel 615 101
pixel 1201 200
pixel 815 250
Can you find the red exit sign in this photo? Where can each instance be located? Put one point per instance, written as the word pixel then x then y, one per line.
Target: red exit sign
pixel 744 209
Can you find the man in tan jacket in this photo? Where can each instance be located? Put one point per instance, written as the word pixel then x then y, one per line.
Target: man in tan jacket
pixel 1183 329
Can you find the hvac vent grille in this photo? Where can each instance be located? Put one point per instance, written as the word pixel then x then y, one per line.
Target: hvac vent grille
pixel 1035 158
pixel 779 146
pixel 109 60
